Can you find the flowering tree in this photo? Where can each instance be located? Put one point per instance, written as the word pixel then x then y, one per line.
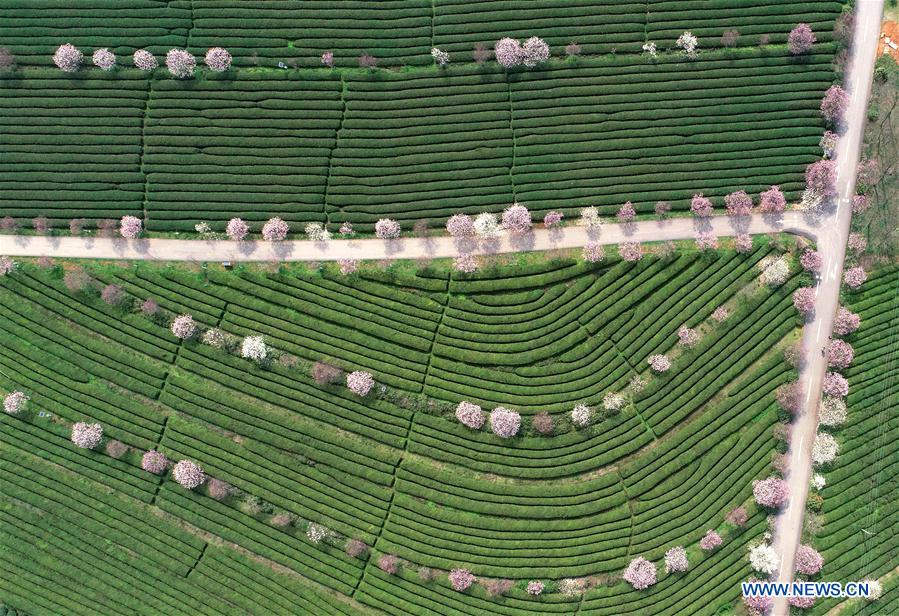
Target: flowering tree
pixel 758 604
pixel 461 579
pixel 535 51
pixel 367 61
pixel 804 300
pixel 845 322
pixel 875 589
pixel 387 229
pixel 738 517
pixel 720 314
pixel 486 226
pixel 104 59
pixel 650 48
pixel 821 177
pixel 517 219
pixel 218 60
pixel 808 560
pixel 775 271
pixel 508 52
pixel 316 533
pixel 701 206
pixel 764 559
pixel 811 260
pixel 738 203
pixel 640 573
pixel 581 415
pixel 470 415
pixel 626 213
pixel 327 59
pixel 743 243
pixel 504 422
pixel 460 225
pixel 181 63
pixel 15 402
pixel 687 336
pixel 839 354
pixel 535 588
pixel 348 266
pixel 706 241
pixel 154 462
pixel 857 243
pixel 630 251
pixel 832 411
pixel 801 39
pixel 801 602
pixel 854 277
pixel 771 492
pixel 590 218
pixel 184 327
pixel 465 263
pixel 253 348
pixel 543 423
pixel 572 587
pixel 824 449
pixel 860 204
pixel 613 401
pixel 355 548
pixel 68 58
pixel 835 385
pixel 188 474
pixel 144 60
pixel 553 219
pixel 441 58
pixel 316 232
pixel 593 252
pixel 789 397
pixel 772 201
pixel 688 43
pixel 346 229
pixel 481 54
pixel 662 208
pixel 87 436
pixel 360 382
pixel 112 294
pixel 7 266
pixel 818 481
pixel 710 541
pixel 676 560
pixel 149 307
pixel 130 227
pixel 659 363
pixel 834 105
pixel 218 489
pixel 828 143
pixel 730 37
pixel 237 229
pixel 275 230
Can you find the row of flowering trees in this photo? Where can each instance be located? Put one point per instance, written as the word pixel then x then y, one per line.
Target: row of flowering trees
pixel 180 62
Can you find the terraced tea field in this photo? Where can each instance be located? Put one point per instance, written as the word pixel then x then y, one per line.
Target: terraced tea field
pixel 860 496
pixel 342 144
pixel 395 469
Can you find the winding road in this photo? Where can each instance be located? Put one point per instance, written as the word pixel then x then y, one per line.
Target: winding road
pixel 832 238
pixel 829 231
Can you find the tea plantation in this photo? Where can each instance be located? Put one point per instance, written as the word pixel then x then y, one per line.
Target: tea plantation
pixel 313 143
pixel 394 469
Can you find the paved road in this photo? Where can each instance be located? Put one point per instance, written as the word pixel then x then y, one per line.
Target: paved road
pixel 366 249
pixel 832 244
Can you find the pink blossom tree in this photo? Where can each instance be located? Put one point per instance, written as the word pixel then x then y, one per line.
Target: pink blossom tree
pixel 275 230
pixel 676 560
pixel 68 58
pixel 516 219
pixel 504 422
pixel 705 240
pixel 801 39
pixel 535 588
pixel 630 251
pixel 460 225
pixel 845 322
pixel 348 266
pixel 387 229
pixel 149 307
pixel 860 204
pixel 368 61
pixel 360 382
pixel 7 266
pixel 801 602
pixel 535 51
pixel 854 277
pixel 804 300
pixel 572 49
pixel 237 229
pixel 659 363
pixel 743 243
pixel 811 260
pixel 328 59
pixel 465 263
pixel 772 201
pixel 771 492
pixel 857 243
pixel 470 415
pixel 104 59
pixel 789 397
pixel 480 54
pixel 112 294
pixel 218 60
pixel 701 206
pixel 184 327
pixel 508 52
pixel 710 541
pixel 828 143
pixel 738 517
pixel 808 560
pixel 687 336
pixel 188 474
pixel 461 579
pixel 738 203
pixel 626 213
pixel 640 573
pixel 144 60
pixel 759 604
pixel 154 462
pixel 388 563
pixel 834 105
pixel 15 402
pixel 181 63
pixel 130 227
pixel 839 354
pixel 662 209
pixel 553 219
pixel 720 314
pixel 593 252
pixel 821 178
pixel 835 385
pixel 87 436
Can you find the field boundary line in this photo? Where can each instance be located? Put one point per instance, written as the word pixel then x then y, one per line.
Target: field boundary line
pixel 343 91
